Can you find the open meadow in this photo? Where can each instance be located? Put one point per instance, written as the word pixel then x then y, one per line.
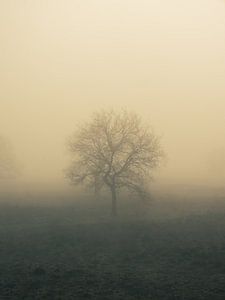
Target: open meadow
pixel 79 252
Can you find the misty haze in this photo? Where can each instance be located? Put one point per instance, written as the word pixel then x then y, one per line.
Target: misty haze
pixel 112 149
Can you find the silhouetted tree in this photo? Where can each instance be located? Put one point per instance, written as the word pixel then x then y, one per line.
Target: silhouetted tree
pixel 114 150
pixel 8 166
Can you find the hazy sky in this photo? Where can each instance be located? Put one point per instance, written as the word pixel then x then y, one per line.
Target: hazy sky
pixel 62 59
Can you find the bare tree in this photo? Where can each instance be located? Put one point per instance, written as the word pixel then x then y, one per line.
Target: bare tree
pixel 8 167
pixel 114 150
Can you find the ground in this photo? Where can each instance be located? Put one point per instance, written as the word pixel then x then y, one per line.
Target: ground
pixel 49 253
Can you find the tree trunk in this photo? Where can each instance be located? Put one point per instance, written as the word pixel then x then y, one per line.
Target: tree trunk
pixel 96 188
pixel 114 201
pixel 97 192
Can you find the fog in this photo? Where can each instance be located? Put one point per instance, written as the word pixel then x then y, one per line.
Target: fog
pixel 62 60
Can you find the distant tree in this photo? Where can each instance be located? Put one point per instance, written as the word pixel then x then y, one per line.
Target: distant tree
pixel 114 150
pixel 8 167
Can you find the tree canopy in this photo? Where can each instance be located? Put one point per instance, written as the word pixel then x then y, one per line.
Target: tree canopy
pixel 115 150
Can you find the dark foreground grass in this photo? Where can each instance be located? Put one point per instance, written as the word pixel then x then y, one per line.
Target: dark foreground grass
pixel 47 255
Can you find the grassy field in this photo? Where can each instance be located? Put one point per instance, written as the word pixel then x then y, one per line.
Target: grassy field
pixel 54 253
